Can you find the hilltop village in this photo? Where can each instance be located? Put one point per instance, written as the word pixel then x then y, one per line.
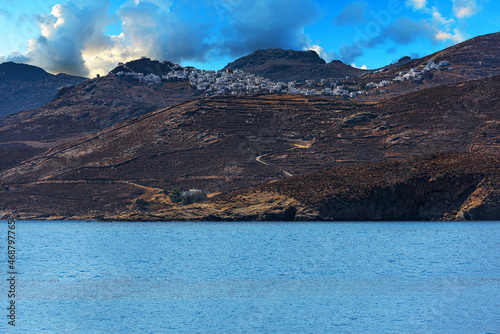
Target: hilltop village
pixel 239 83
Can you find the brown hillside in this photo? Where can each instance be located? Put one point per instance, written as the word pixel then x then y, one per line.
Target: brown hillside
pixel 473 59
pixel 437 187
pixel 223 144
pixel 84 109
pixel 289 65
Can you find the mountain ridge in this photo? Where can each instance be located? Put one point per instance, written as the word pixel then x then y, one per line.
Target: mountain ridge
pixel 224 144
pixel 24 87
pixel 290 65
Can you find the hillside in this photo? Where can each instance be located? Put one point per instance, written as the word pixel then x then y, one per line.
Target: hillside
pixel 83 109
pixel 224 144
pixel 24 87
pixel 436 187
pixel 289 65
pixel 473 59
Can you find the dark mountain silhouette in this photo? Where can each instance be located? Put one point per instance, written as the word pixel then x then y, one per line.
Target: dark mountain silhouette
pixel 145 66
pixel 88 107
pixel 289 65
pixel 24 87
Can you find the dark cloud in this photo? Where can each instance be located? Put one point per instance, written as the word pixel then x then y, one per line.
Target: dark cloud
pixel 161 34
pixel 349 53
pixel 74 38
pixel 402 31
pixel 353 13
pixel 16 57
pixel 406 30
pixel 261 24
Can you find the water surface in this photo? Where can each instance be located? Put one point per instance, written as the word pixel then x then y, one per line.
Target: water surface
pixel 79 277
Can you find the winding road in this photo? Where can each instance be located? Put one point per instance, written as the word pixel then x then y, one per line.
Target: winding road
pixel 259 159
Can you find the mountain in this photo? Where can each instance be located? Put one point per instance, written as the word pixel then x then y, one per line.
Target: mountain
pixel 90 106
pixel 223 144
pixel 24 87
pixel 435 187
pixel 289 65
pixel 473 59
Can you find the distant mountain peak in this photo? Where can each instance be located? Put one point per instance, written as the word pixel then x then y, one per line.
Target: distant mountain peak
pixel 146 66
pixel 290 65
pixel 21 72
pixel 24 87
pixel 263 56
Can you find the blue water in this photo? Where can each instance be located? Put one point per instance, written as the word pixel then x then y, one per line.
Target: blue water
pixel 78 277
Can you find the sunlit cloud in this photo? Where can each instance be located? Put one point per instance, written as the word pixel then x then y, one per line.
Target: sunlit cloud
pixel 465 8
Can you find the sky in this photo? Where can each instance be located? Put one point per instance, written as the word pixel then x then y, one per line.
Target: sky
pixel 89 37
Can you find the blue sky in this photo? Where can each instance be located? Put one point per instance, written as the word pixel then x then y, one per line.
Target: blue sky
pixel 86 37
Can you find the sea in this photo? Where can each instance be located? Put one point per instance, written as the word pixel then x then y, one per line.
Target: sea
pixel 363 277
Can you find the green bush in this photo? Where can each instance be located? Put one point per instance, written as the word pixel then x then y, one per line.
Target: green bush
pixel 175 195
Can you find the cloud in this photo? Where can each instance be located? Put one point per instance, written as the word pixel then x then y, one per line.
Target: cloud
pixel 455 37
pixel 465 8
pixel 349 53
pixel 327 56
pixel 15 56
pixel 5 13
pixel 363 67
pixel 65 33
pixel 262 24
pixel 73 36
pixel 443 28
pixel 152 29
pixel 353 13
pixel 416 4
pixel 403 31
pixel 438 19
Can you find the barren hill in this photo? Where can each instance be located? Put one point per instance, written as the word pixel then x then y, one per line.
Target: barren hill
pixel 289 65
pixel 24 87
pixel 223 144
pixel 473 59
pixel 84 109
pixel 436 187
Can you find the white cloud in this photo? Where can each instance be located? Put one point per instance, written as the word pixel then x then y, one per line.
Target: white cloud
pixel 465 8
pixel 439 20
pixel 455 37
pixel 416 4
pixel 327 56
pixel 363 67
pixel 73 36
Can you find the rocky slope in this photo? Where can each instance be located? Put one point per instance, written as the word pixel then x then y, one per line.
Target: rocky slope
pixel 224 144
pixel 289 65
pixel 436 187
pixel 88 107
pixel 24 87
pixel 473 59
